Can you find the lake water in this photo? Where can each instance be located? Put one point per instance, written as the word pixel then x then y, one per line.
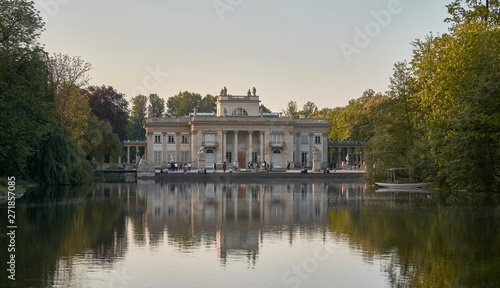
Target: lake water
pixel 295 234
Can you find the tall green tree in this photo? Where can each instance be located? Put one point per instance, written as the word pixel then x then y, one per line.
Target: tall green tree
pixel 184 103
pixel 73 108
pixel 208 104
pixel 156 106
pixel 461 97
pixel 34 143
pixel 137 119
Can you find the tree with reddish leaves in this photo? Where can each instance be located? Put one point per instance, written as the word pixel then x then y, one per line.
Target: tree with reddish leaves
pixel 111 106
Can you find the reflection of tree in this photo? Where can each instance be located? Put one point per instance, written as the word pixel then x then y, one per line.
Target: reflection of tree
pixel 64 223
pixel 435 242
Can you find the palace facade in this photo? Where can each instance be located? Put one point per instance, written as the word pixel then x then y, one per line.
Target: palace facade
pixel 237 133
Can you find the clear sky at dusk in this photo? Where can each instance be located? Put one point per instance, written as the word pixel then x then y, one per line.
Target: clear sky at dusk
pixel 325 51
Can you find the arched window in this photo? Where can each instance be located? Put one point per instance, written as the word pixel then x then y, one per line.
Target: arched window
pixel 240 112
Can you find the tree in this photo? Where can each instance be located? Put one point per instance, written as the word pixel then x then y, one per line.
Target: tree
pixel 156 106
pixel 34 143
pixel 73 108
pixel 182 104
pixel 461 104
pixel 291 109
pixel 309 108
pixel 20 26
pixel 208 104
pixel 109 105
pixel 264 109
pixel 100 143
pixel 462 11
pixel 137 118
pixel 26 100
pixel 69 70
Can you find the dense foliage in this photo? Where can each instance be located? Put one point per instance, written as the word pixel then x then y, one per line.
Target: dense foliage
pixel 48 132
pixel 441 116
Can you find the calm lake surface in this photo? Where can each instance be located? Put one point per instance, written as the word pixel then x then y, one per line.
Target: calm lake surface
pixel 280 234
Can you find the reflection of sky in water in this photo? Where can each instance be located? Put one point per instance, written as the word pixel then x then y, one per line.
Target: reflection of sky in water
pixel 270 235
pixel 235 235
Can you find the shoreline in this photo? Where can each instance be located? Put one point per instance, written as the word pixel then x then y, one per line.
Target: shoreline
pixel 340 176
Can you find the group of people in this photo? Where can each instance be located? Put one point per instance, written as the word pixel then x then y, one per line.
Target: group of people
pixel 225 167
pixel 174 167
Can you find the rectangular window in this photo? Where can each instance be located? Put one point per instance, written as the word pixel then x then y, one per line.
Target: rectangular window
pixel 171 139
pixel 157 139
pixel 276 139
pixel 229 158
pixel 304 159
pixel 317 139
pixel 209 139
pixel 184 157
pixel 157 158
pixel 304 139
pixel 254 157
pixel 184 139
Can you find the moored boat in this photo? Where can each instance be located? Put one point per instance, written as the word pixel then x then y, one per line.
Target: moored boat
pixel 394 185
pixel 395 181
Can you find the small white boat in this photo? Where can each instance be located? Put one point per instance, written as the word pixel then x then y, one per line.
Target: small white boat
pixel 402 191
pixel 403 185
pixel 395 182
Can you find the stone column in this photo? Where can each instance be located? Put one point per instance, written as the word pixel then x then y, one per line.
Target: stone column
pixel 219 139
pixel 235 156
pixel 178 147
pixel 149 147
pixel 223 145
pixel 290 148
pixel 164 149
pixel 310 155
pixel 298 156
pixel 324 159
pixel 194 148
pixel 128 154
pixel 261 147
pixel 250 144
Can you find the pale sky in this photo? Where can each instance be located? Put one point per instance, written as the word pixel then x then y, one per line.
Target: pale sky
pixel 324 51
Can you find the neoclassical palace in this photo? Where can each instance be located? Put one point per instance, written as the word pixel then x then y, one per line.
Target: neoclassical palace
pixel 237 133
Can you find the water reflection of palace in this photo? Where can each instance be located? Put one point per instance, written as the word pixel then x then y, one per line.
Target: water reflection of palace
pixel 234 216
